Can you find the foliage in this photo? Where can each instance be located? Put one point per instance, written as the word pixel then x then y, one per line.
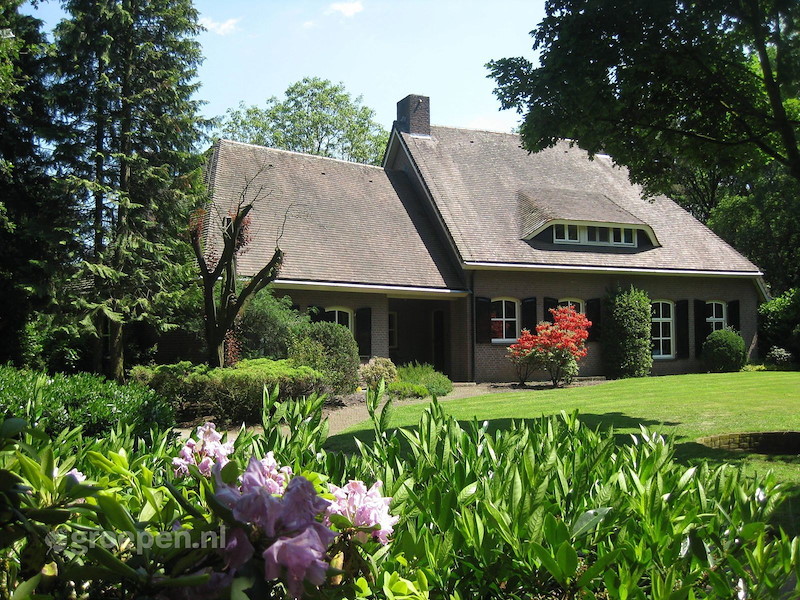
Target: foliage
pixel 125 85
pixel 555 347
pixel 267 324
pixel 724 351
pixel 437 384
pixel 316 117
pixel 232 395
pixel 404 389
pixel 707 84
pixel 543 508
pixel 376 370
pixel 331 349
pixel 56 402
pixel 626 344
pixel 778 357
pixel 779 322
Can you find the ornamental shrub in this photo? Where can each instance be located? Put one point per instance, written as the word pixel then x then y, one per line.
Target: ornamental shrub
pixel 267 325
pixel 724 351
pixel 331 349
pixel 437 384
pixel 779 323
pixel 232 395
pixel 778 357
pixel 376 370
pixel 64 401
pixel 626 337
pixel 404 389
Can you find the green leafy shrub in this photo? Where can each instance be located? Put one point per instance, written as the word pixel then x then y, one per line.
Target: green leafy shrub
pixel 60 401
pixel 330 349
pixel 626 344
pixel 778 357
pixel 724 351
pixel 376 370
pixel 404 389
pixel 267 325
pixel 232 395
pixel 436 383
pixel 779 322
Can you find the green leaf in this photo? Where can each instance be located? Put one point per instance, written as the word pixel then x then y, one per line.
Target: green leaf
pixel 117 515
pixel 567 559
pixel 12 427
pixel 25 589
pixel 548 562
pixel 588 521
pixel 468 492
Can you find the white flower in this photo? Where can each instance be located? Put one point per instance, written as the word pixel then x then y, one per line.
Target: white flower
pixel 741 590
pixel 760 496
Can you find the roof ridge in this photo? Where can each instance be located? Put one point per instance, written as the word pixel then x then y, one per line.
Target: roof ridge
pixel 301 154
pixel 475 129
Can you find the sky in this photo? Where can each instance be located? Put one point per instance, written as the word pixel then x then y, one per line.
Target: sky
pixel 381 50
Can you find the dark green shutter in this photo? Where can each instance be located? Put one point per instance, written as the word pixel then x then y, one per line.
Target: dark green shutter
pixel 733 315
pixel 701 327
pixel 528 316
pixel 682 329
pixel 363 329
pixel 548 304
pixel 483 320
pixel 594 314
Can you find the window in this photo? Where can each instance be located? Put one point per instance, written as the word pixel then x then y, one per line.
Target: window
pixel 566 233
pixel 392 329
pixel 340 315
pixel 716 315
pixel 505 319
pixel 662 329
pixel 578 304
pixel 594 235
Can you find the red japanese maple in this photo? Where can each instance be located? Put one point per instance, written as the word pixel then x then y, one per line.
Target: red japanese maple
pixel 554 347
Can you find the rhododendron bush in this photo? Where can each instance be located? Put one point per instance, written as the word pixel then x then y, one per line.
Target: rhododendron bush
pixel 541 509
pixel 555 347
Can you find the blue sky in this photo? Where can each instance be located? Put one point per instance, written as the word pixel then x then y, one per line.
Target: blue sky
pixel 380 49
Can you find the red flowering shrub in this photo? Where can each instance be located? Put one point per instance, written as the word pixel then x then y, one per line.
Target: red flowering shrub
pixel 555 347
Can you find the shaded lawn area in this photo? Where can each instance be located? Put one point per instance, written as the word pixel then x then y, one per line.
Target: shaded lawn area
pixel 684 407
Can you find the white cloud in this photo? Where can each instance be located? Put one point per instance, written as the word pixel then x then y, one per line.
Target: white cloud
pixel 348 9
pixel 220 28
pixel 308 24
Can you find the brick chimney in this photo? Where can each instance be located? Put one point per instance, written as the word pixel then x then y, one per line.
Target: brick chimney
pixel 414 115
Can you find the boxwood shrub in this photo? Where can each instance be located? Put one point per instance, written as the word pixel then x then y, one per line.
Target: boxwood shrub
pixel 56 402
pixel 724 351
pixel 626 344
pixel 437 384
pixel 231 395
pixel 330 349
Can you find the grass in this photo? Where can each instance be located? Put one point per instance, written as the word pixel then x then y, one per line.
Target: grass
pixel 684 407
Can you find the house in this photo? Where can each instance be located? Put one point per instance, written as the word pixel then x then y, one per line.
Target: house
pixel 462 238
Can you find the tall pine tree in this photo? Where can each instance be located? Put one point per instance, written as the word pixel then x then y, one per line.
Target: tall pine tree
pixel 127 79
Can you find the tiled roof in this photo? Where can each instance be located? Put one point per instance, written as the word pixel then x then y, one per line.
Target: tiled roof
pixel 477 179
pixel 345 222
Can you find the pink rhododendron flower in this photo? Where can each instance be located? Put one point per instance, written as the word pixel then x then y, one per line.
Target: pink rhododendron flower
pixel 364 508
pixel 238 550
pixel 299 558
pixel 267 474
pixel 76 475
pixel 205 452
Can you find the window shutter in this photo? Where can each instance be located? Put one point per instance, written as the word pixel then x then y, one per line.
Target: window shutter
pixel 733 315
pixel 548 304
pixel 316 313
pixel 483 320
pixel 594 314
pixel 701 326
pixel 682 329
pixel 528 314
pixel 363 331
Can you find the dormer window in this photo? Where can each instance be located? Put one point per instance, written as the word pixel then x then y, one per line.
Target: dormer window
pixel 594 235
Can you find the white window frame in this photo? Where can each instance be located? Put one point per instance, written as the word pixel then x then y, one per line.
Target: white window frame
pixel 583 235
pixel 392 329
pixel 658 341
pixel 579 304
pixel 715 322
pixel 344 309
pixel 503 319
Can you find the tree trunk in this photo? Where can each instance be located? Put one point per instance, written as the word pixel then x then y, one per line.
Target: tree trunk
pixel 116 365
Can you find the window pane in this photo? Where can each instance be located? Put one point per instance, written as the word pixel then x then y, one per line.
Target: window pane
pixel 559 232
pixel 497 329
pixel 511 330
pixel 572 232
pixel 617 235
pixel 591 234
pixel 654 330
pixel 666 347
pixel 497 309
pixel 718 310
pixel 628 236
pixel 343 318
pixel 603 234
pixel 511 309
pixel 655 310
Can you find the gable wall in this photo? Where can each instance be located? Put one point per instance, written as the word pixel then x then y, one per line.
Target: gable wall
pixel 492 365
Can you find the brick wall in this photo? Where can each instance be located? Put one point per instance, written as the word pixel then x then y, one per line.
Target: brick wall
pixel 492 365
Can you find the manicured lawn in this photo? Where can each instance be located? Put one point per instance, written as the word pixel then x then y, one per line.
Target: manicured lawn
pixel 685 407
